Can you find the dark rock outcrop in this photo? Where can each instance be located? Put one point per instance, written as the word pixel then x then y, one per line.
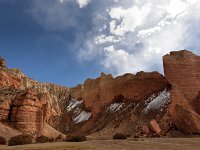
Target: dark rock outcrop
pixel 2 62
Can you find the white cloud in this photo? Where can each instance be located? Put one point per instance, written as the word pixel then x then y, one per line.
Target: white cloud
pixel 139 35
pixel 176 7
pixel 83 3
pixel 105 39
pixel 125 36
pixel 115 58
pixel 129 18
pixel 120 61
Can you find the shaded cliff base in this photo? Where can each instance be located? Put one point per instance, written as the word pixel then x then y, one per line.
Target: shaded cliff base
pixel 145 104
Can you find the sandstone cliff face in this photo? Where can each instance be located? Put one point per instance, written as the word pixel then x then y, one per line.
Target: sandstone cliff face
pixel 182 69
pixel 26 110
pixel 96 93
pixel 106 105
pixel 6 97
pixel 22 109
pixel 9 80
pixel 183 73
pixel 58 95
pixel 27 104
pixel 28 113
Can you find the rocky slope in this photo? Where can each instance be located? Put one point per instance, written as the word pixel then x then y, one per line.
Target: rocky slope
pixel 144 103
pixel 109 101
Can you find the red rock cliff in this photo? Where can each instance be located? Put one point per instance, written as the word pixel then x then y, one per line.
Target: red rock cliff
pixel 182 70
pixel 101 91
pixel 27 104
pixel 27 112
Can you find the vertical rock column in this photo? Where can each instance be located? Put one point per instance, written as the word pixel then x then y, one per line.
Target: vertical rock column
pixel 26 113
pixel 182 70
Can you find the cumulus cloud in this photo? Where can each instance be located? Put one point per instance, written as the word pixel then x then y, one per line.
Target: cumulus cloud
pixel 129 35
pixel 139 35
pixel 129 18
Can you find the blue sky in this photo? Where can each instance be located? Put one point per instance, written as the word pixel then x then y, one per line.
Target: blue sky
pixel 42 54
pixel 68 41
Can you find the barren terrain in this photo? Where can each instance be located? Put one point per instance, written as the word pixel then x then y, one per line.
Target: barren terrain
pixel 130 144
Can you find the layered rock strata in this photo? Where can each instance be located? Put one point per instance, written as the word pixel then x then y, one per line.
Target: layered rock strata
pixel 99 92
pixel 183 73
pixel 106 104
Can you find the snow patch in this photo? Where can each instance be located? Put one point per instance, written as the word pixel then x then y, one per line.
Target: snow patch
pixel 159 102
pixel 83 116
pixel 67 127
pixel 73 103
pixel 115 107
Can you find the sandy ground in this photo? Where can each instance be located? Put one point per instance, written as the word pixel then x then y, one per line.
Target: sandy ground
pixel 8 132
pixel 130 144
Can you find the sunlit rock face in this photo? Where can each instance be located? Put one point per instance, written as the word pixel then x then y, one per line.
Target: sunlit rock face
pixel 182 70
pixel 183 73
pixel 147 104
pixel 27 112
pixel 26 104
pixel 23 110
pixel 101 91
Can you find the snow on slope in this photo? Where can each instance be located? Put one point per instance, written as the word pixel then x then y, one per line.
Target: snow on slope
pixel 159 102
pixel 115 107
pixel 73 103
pixel 83 116
pixel 76 108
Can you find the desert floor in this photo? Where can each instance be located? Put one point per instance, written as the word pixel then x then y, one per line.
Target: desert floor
pixel 130 144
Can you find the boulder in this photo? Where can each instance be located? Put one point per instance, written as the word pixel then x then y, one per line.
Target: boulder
pixel 155 127
pixel 145 130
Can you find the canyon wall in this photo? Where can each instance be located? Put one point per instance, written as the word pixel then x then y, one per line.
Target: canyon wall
pixel 96 93
pixel 125 103
pixel 27 104
pixel 182 70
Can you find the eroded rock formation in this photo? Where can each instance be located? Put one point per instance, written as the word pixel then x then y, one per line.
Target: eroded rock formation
pixel 183 73
pixel 182 70
pixel 106 105
pixel 27 105
pixel 101 91
pixel 28 113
